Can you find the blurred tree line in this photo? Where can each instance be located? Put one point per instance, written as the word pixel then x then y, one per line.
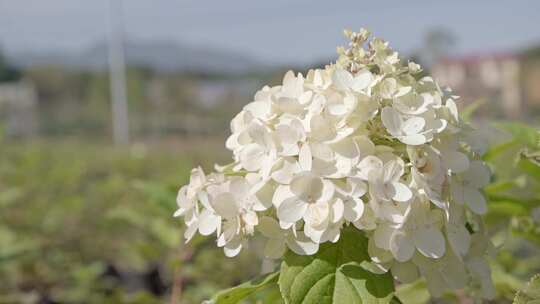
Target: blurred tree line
pixel 7 72
pixel 76 102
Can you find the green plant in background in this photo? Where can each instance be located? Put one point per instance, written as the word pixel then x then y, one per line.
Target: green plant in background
pixel 84 223
pixel 514 198
pixel 530 294
pixel 70 211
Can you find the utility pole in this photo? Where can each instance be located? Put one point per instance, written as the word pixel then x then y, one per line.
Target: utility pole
pixel 117 75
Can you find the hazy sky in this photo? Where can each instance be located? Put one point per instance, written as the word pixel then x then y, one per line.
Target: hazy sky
pixel 284 31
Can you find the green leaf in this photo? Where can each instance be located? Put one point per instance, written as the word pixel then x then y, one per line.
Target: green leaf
pixel 267 295
pixel 413 293
pixel 530 294
pixel 236 294
pixel 507 208
pixel 525 227
pixel 500 186
pixel 529 167
pixel 523 134
pixel 335 275
pixel 468 111
pixel 501 150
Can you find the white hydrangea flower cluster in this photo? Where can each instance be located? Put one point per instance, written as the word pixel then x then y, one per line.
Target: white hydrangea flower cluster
pixel 366 142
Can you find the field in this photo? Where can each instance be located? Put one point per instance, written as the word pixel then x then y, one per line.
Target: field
pixel 87 222
pixel 90 223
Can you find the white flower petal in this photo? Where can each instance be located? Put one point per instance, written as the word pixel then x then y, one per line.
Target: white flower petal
pixel 230 231
pixel 359 188
pixel 377 254
pixel 259 109
pixel 285 174
pixel 291 210
pixel 353 209
pixel 405 272
pixel 478 174
pixel 327 192
pixel 204 199
pixel 480 269
pixel 438 125
pixel 368 164
pixel 233 248
pixel 361 80
pixel 263 194
pixel 337 109
pixel 180 211
pixel 367 221
pixel 342 79
pixel 239 187
pixel 301 244
pixel 286 225
pixel 317 215
pixel 413 125
pixel 269 227
pixel 252 156
pixel 307 185
pixel 190 231
pixel 274 248
pixel 347 148
pixel 250 218
pixel 365 145
pixel 413 140
pixel 435 282
pixel 225 205
pixel 402 91
pixel 391 120
pixel 208 222
pixel 388 87
pixel 281 194
pixel 430 242
pixel 475 200
pixel 459 238
pixel 337 210
pixel 316 234
pixel 452 109
pixel 232 141
pixel 457 190
pixel 402 246
pixel 400 192
pixel 382 236
pixel 456 161
pixel 393 170
pixel 332 234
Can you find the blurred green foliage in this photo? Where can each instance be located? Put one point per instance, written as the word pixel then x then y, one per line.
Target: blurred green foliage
pixel 514 215
pixel 87 223
pixel 530 294
pixel 8 72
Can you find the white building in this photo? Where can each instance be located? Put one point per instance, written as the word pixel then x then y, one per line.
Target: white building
pixel 495 77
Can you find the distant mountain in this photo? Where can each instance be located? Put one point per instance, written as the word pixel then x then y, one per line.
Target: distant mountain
pixel 159 55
